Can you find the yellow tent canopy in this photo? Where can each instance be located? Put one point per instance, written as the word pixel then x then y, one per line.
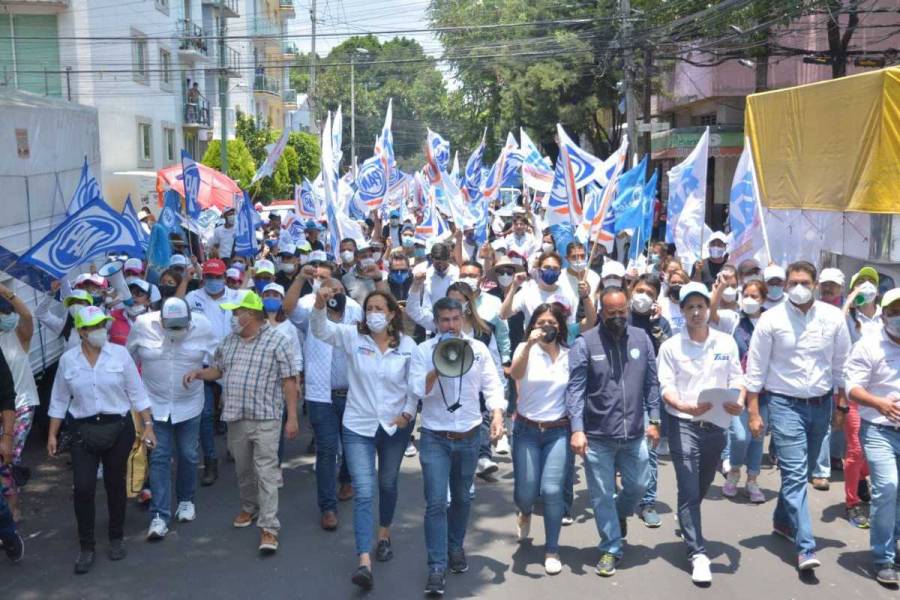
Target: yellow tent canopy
pixel 832 145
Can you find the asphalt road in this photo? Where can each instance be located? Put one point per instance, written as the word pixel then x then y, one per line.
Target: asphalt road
pixel 209 558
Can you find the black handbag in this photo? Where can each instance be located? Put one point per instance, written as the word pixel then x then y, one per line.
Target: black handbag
pixel 98 436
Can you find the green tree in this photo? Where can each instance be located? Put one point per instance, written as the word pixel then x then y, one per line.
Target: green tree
pixel 241 166
pixel 309 153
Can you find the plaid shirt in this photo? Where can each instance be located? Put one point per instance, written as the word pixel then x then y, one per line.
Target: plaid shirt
pixel 253 373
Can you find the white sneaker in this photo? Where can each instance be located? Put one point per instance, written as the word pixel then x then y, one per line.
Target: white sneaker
pixel 185 512
pixel 552 566
pixel 411 449
pixel 485 466
pixel 701 572
pixel 158 529
pixel 502 446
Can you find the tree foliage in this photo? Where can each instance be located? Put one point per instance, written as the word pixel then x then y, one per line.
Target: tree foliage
pixel 308 153
pixel 241 166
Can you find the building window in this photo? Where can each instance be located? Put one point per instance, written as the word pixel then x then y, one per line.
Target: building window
pixel 145 143
pixel 29 54
pixel 140 57
pixel 165 70
pixel 169 139
pixel 162 6
pixel 704 120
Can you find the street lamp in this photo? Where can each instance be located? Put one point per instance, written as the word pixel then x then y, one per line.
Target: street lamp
pixel 353 105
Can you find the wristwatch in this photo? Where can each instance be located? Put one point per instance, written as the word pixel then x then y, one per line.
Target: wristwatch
pixel 656 422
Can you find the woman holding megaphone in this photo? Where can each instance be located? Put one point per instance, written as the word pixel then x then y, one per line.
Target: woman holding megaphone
pixel 379 416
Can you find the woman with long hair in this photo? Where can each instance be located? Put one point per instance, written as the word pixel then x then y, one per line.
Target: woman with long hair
pixel 379 416
pixel 541 449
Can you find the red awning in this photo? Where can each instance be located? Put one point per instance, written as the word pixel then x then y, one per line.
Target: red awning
pixel 216 189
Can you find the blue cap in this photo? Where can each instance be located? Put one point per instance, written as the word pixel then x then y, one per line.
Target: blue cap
pixel 395 214
pixel 310 224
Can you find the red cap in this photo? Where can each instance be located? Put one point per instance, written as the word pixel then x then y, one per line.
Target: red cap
pixel 215 267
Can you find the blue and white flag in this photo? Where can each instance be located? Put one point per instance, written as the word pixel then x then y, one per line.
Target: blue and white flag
pixel 748 231
pixel 493 180
pixel 374 178
pixel 337 134
pixel 159 249
pixel 268 167
pixel 96 229
pixel 537 172
pixel 629 202
pixel 437 152
pixel 88 189
pixel 245 228
pixel 472 177
pixel 130 215
pixel 433 227
pixel 306 204
pixel 191 179
pixel 687 203
pixel 643 237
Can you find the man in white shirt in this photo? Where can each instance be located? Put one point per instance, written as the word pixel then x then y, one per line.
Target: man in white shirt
pixel 774 277
pixel 577 277
pixel 223 236
pixel 697 359
pixel 521 241
pixel 873 382
pixel 167 345
pixel 206 301
pixel 451 420
pixel 797 356
pixel 440 275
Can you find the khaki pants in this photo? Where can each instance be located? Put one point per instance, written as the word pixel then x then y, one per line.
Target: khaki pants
pixel 254 445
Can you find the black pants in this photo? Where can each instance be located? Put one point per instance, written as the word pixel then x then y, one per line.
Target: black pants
pixel 84 472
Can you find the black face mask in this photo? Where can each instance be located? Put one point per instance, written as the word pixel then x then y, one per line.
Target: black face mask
pixel 166 291
pixel 550 334
pixel 675 291
pixel 337 303
pixel 615 325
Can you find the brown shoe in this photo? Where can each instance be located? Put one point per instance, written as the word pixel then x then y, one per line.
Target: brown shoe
pixel 821 483
pixel 268 542
pixel 329 520
pixel 345 492
pixel 244 519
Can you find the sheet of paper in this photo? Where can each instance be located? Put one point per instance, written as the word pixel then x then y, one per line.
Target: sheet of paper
pixel 717 397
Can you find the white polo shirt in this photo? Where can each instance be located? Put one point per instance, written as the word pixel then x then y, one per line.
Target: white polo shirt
pixel 542 392
pixel 531 295
pixel 874 365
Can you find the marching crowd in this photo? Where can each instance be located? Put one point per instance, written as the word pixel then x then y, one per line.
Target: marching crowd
pixel 570 354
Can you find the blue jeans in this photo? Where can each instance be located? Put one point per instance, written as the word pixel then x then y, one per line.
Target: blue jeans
pixel 484 449
pixel 540 459
pixel 744 449
pixel 7 525
pixel 696 449
pixel 183 441
pixel 821 466
pixel 882 448
pixel 604 458
pixel 446 462
pixel 649 498
pixel 208 422
pixel 326 422
pixel 798 430
pixel 360 452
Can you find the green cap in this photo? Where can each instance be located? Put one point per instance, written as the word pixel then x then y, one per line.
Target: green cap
pixel 865 272
pixel 90 316
pixel 246 299
pixel 78 296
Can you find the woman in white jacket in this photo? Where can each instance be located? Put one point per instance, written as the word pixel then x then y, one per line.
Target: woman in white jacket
pixel 379 416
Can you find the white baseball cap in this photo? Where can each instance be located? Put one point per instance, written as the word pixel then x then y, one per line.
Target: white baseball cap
pixel 141 284
pixel 694 287
pixel 175 313
pixel 612 268
pixel 133 264
pixel 90 278
pixel 235 274
pixel 774 272
pixel 178 260
pixel 318 256
pixel 832 275
pixel 274 287
pixel 890 297
pixel 718 235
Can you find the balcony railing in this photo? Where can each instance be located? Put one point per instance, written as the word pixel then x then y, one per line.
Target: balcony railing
pixel 263 26
pixel 196 111
pixel 266 85
pixel 230 6
pixel 289 97
pixel 232 60
pixel 190 38
pixel 286 7
pixel 290 50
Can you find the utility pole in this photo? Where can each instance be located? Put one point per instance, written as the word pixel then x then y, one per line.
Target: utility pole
pixel 630 104
pixel 353 112
pixel 312 64
pixel 648 66
pixel 223 88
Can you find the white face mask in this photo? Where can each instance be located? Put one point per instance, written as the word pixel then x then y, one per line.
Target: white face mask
pixel 750 305
pixel 546 247
pixel 641 303
pixel 176 335
pixel 97 338
pixel 868 291
pixel 287 267
pixel 376 322
pixel 347 256
pixel 236 326
pixel 376 256
pixel 505 280
pixel 800 294
pixel 578 265
pixel 135 310
pixel 74 308
pixel 472 282
pixel 365 263
pixel 729 294
pixel 716 252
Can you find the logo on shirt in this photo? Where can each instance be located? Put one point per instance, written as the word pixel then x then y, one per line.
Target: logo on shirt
pixel 720 356
pixel 635 353
pixel 365 351
pixel 598 357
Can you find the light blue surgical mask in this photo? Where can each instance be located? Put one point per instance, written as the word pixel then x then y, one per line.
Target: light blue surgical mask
pixel 214 286
pixel 9 322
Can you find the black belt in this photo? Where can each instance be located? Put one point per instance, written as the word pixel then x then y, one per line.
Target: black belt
pixel 339 393
pixel 706 425
pixel 884 427
pixel 814 401
pixel 542 425
pixel 101 418
pixel 455 435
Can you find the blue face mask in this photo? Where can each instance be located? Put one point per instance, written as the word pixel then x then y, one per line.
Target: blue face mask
pixel 420 252
pixel 549 276
pixel 398 276
pixel 8 322
pixel 214 286
pixel 407 241
pixel 272 305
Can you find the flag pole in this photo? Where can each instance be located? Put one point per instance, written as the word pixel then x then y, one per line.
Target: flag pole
pixel 759 207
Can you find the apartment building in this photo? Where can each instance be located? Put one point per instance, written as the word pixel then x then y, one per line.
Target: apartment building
pixel 155 70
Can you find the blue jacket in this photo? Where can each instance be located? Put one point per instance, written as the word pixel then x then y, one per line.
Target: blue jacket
pixel 612 384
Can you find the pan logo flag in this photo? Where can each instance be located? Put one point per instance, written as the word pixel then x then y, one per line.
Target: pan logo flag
pixel 87 190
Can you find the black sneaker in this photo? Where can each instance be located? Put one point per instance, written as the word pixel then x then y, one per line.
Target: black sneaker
pixel 383 552
pixel 311 448
pixel 862 490
pixel 857 516
pixel 458 562
pixel 362 577
pixel 117 550
pixel 886 574
pixel 435 585
pixel 623 526
pixel 84 562
pixel 16 550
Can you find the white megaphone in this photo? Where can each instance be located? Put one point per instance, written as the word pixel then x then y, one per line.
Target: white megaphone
pixel 452 357
pixel 112 272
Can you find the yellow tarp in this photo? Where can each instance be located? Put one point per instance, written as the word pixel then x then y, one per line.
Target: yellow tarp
pixel 833 145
